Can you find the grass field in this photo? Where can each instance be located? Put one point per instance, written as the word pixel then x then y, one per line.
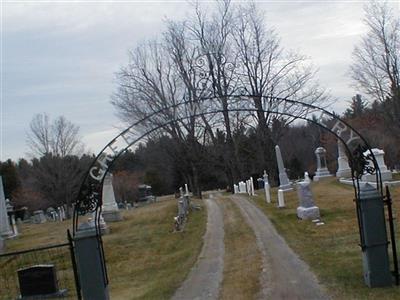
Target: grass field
pixel 331 250
pixel 242 262
pixel 145 258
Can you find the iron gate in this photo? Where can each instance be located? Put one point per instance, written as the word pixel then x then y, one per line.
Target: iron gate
pixel 60 255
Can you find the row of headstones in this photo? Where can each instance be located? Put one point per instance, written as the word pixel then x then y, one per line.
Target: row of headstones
pixel 307 208
pixel 243 187
pixel 183 208
pixel 52 214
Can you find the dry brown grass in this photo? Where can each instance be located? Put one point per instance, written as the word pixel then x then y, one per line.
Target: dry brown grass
pixel 331 250
pixel 242 261
pixel 145 258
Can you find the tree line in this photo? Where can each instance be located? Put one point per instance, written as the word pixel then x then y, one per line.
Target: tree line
pixel 215 54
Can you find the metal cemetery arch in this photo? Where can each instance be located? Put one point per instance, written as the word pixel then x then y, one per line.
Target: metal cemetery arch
pixel 90 194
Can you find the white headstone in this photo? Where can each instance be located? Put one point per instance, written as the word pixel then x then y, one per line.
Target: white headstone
pixel 181 191
pixel 266 187
pixel 307 177
pixel 284 183
pixel 343 170
pixel 5 228
pixel 235 189
pixel 281 199
pixel 242 187
pixel 110 209
pixel 251 183
pixel 14 225
pixel 186 190
pixel 322 169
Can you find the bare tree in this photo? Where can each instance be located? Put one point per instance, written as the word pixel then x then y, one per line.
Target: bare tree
pixel 59 138
pixel 376 60
pixel 39 137
pixel 212 55
pixel 269 71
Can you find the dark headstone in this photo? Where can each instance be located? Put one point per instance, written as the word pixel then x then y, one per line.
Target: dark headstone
pixel 37 280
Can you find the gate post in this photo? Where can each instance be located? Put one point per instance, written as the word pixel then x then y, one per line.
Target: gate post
pixel 374 242
pixel 89 261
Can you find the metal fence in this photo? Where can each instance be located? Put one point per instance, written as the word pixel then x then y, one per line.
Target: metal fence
pixel 58 255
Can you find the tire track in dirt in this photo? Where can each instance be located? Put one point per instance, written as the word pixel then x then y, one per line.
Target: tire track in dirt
pixel 285 275
pixel 204 280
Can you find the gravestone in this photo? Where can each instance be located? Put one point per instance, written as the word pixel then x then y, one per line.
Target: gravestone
pixel 307 208
pixel 385 173
pixel 51 214
pixel 63 214
pixel 110 209
pixel 251 184
pixel 90 225
pixel 284 183
pixel 14 226
pixel 235 189
pixel 181 209
pixel 322 169
pixel 5 228
pixel 38 217
pixel 307 177
pixel 281 199
pixel 186 189
pixel 242 187
pixel 267 188
pixel 39 282
pixel 60 213
pixel 343 170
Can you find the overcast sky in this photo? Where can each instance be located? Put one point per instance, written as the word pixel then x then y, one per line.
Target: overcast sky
pixel 61 57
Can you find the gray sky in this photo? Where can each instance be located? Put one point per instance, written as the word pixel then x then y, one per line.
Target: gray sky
pixel 61 57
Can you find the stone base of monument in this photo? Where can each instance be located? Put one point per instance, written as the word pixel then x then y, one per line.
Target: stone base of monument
pixel 345 173
pixel 286 187
pixel 90 225
pixel 321 173
pixel 386 176
pixel 112 216
pixel 308 213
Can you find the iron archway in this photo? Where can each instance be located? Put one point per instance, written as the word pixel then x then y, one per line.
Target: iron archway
pixel 89 198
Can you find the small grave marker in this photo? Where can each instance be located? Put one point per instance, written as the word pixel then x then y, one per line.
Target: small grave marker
pixel 39 281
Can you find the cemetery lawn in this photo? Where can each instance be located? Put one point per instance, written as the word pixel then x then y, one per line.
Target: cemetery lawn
pixel 242 256
pixel 145 258
pixel 331 250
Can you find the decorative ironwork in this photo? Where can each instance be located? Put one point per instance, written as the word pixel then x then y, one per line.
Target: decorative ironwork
pixel 203 68
pixel 89 199
pixel 360 163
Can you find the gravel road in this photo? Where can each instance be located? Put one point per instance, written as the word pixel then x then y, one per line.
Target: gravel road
pixel 204 280
pixel 285 275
